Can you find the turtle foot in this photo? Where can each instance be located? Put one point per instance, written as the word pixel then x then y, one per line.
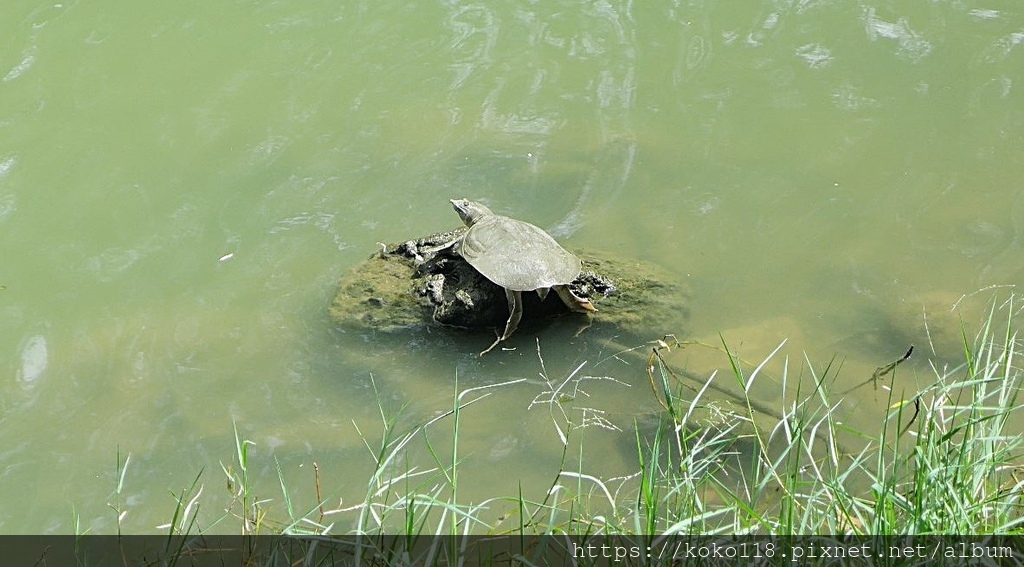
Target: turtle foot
pixel 494 344
pixel 574 302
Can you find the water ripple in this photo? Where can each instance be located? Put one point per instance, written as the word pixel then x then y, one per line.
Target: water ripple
pixel 6 165
pixel 475 32
pixel 35 357
pixel 910 44
pixel 1001 48
pixel 28 58
pixel 982 14
pixel 815 55
pixel 848 98
pixel 107 265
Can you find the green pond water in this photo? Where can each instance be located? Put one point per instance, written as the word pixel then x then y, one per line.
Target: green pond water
pixel 183 185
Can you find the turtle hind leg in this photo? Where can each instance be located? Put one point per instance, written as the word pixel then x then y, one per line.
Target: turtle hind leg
pixel 515 313
pixel 573 301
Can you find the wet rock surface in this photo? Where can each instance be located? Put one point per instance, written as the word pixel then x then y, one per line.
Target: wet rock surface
pixel 424 282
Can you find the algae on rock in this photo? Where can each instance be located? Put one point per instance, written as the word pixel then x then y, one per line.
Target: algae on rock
pixel 409 285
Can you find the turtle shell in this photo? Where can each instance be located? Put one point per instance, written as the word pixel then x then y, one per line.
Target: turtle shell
pixel 517 255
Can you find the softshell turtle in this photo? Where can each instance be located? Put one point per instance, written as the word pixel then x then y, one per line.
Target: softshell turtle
pixel 517 256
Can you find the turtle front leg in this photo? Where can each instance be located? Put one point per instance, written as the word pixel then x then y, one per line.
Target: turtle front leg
pixel 515 313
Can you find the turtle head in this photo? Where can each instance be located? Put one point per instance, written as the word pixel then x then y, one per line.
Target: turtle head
pixel 469 211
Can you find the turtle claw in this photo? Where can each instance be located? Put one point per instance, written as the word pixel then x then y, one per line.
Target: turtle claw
pixel 574 302
pixel 515 308
pixel 494 344
pixel 488 349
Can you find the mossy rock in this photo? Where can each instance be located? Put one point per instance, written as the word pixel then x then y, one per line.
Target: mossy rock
pixel 413 284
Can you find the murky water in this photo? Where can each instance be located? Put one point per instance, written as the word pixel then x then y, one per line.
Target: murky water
pixel 182 185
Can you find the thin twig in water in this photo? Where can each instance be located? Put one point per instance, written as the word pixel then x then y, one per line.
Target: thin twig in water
pixel 913 418
pixel 659 345
pixel 319 498
pixel 881 371
pixel 927 330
